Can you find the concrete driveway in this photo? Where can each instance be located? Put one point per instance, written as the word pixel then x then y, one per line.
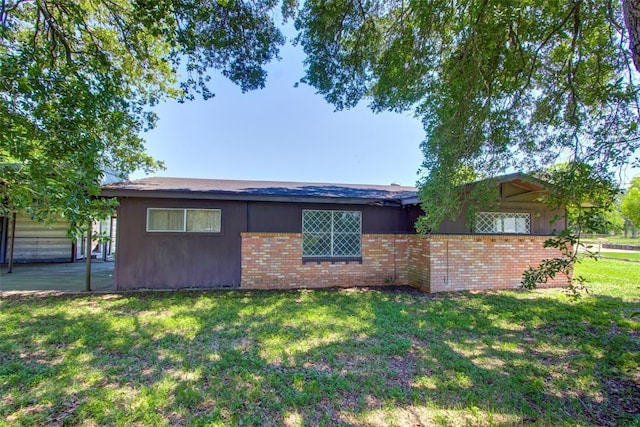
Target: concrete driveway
pixel 69 277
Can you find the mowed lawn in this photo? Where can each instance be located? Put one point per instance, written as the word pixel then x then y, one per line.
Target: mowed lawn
pixel 616 240
pixel 335 357
pixel 622 255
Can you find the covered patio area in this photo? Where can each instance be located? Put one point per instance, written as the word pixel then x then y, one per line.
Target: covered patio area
pixel 66 277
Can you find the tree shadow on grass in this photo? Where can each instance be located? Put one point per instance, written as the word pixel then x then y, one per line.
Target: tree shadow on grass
pixel 319 357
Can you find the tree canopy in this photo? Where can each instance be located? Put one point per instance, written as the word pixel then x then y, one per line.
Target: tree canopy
pixel 498 84
pixel 78 79
pixel 631 202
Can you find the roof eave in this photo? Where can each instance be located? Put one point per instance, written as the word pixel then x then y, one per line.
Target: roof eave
pixel 501 179
pixel 152 194
pixel 410 201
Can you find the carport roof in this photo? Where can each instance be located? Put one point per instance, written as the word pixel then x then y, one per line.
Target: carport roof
pixel 222 189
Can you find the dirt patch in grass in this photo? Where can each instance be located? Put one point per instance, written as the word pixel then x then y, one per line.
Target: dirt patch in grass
pixel 625 394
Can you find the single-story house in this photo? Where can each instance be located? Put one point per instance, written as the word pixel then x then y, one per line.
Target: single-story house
pixel 207 233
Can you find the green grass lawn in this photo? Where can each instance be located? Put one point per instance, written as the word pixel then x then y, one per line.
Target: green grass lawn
pixel 624 241
pixel 351 357
pixel 621 255
pixel 616 240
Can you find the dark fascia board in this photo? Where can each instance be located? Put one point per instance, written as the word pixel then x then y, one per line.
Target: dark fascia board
pixel 415 200
pixel 513 177
pixel 151 194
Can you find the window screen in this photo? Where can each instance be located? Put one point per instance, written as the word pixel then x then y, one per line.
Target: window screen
pixel 331 233
pixel 165 219
pixel 503 222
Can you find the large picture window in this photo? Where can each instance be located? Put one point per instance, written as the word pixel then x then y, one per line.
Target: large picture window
pixel 503 222
pixel 331 234
pixel 183 220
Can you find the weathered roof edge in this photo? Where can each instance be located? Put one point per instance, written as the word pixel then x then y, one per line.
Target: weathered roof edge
pixel 513 177
pixel 235 197
pixel 500 179
pixel 279 191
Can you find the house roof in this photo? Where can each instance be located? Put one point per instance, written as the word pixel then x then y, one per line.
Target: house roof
pixel 284 191
pixel 260 190
pixel 519 179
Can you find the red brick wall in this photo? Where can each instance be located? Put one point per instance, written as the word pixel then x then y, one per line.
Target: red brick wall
pixel 418 263
pixel 274 260
pixel 432 263
pixel 474 262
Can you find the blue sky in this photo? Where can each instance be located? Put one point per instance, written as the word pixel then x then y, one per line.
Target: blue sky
pixel 284 133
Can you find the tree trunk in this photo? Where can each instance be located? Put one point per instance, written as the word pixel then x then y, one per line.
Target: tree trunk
pixel 629 227
pixel 631 10
pixel 14 217
pixel 626 228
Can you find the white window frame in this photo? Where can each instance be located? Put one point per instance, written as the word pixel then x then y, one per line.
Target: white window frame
pixel 502 216
pixel 333 234
pixel 184 220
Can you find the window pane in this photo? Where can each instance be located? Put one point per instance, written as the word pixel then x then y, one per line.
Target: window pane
pixel 165 219
pixel 346 222
pixel 203 220
pixel 317 244
pixel 509 225
pixel 316 221
pixel 331 233
pixel 503 222
pixel 346 245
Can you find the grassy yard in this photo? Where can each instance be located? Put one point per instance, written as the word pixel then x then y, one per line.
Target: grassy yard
pixel 624 241
pixel 621 255
pixel 616 240
pixel 350 357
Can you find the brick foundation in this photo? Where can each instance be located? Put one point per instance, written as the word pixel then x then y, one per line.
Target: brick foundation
pixel 433 263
